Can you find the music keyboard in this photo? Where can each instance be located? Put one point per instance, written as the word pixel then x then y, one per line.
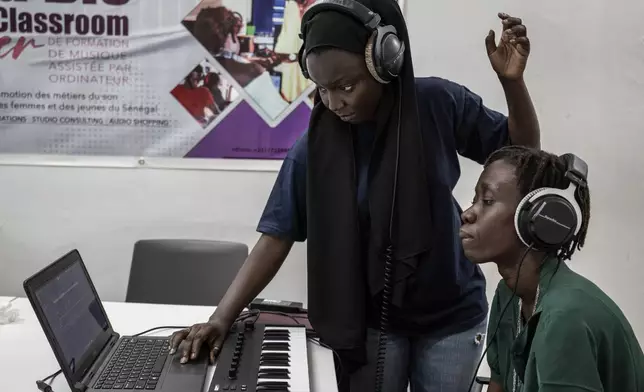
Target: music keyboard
pixel 263 358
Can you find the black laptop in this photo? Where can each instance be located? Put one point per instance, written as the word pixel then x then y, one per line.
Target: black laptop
pixel 92 356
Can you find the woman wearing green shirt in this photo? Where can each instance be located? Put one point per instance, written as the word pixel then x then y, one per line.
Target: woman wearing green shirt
pixel 550 329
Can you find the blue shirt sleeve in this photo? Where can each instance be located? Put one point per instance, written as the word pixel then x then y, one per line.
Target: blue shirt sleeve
pixel 285 213
pixel 478 130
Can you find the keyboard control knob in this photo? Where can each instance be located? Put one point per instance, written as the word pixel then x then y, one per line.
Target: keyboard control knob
pixel 232 373
pixel 249 325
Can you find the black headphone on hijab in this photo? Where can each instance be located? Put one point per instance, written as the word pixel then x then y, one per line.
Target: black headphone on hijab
pixel 547 218
pixel 384 53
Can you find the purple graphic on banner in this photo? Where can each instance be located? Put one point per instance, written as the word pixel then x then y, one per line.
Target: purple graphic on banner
pixel 244 134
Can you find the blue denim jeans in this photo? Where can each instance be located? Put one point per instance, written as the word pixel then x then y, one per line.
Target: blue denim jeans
pixel 424 364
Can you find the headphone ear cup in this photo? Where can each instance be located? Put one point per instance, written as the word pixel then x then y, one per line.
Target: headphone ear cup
pixel 521 226
pixel 390 53
pixel 521 220
pixel 302 61
pixel 370 57
pixel 545 219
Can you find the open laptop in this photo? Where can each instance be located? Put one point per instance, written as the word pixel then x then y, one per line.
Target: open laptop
pixel 92 356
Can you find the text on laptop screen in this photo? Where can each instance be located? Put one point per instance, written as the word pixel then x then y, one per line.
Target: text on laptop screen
pixel 73 313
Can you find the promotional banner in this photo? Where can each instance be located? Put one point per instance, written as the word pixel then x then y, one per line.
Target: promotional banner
pixel 155 78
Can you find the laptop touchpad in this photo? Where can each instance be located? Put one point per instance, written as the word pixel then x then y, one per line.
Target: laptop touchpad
pixel 193 367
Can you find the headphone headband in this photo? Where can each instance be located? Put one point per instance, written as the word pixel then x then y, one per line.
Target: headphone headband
pixel 368 18
pixel 384 52
pixel 576 169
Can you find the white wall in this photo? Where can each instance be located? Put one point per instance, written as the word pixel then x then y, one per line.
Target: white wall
pixel 585 75
pixel 47 211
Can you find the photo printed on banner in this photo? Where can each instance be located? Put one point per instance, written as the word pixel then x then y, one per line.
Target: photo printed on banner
pixel 205 93
pixel 256 42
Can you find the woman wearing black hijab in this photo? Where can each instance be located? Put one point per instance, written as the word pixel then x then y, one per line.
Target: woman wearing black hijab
pixel 335 190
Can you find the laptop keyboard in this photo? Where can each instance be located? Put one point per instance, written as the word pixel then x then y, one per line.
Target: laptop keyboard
pixel 136 364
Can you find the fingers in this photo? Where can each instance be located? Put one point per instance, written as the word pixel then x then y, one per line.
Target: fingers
pixel 509 21
pixel 216 348
pixel 514 26
pixel 188 342
pixel 185 347
pixel 523 41
pixel 213 354
pixel 522 44
pixel 511 34
pixel 519 30
pixel 490 43
pixel 197 342
pixel 177 338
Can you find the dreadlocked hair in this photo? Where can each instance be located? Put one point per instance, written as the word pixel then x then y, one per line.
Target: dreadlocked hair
pixel 540 169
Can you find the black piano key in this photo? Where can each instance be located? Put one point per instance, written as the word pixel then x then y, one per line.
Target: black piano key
pixel 282 384
pixel 274 370
pixel 281 376
pixel 278 338
pixel 274 362
pixel 275 346
pixel 272 389
pixel 269 333
pixel 273 376
pixel 275 355
pixel 274 358
pixel 287 360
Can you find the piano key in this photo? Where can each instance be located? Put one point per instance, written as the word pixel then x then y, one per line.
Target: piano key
pixel 287 360
pixel 270 355
pixel 269 329
pixel 298 355
pixel 276 377
pixel 275 346
pixel 274 362
pixel 280 366
pixel 271 371
pixel 284 384
pixel 277 334
pixel 278 338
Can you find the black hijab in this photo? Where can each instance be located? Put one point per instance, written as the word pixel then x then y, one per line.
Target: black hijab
pixel 342 278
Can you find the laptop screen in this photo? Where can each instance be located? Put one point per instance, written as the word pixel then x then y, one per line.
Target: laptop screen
pixel 75 317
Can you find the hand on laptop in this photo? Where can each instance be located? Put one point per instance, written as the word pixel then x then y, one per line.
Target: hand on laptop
pixel 188 342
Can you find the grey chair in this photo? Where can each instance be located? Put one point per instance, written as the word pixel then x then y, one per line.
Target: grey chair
pixel 183 272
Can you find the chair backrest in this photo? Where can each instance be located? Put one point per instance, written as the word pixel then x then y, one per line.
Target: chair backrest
pixel 481 384
pixel 183 272
pixel 478 387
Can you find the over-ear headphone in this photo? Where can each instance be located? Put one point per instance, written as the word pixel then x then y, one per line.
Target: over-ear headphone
pixel 384 53
pixel 547 218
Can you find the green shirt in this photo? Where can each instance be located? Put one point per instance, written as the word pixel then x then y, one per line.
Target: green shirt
pixel 577 340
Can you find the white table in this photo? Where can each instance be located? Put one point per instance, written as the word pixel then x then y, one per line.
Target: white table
pixel 25 354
